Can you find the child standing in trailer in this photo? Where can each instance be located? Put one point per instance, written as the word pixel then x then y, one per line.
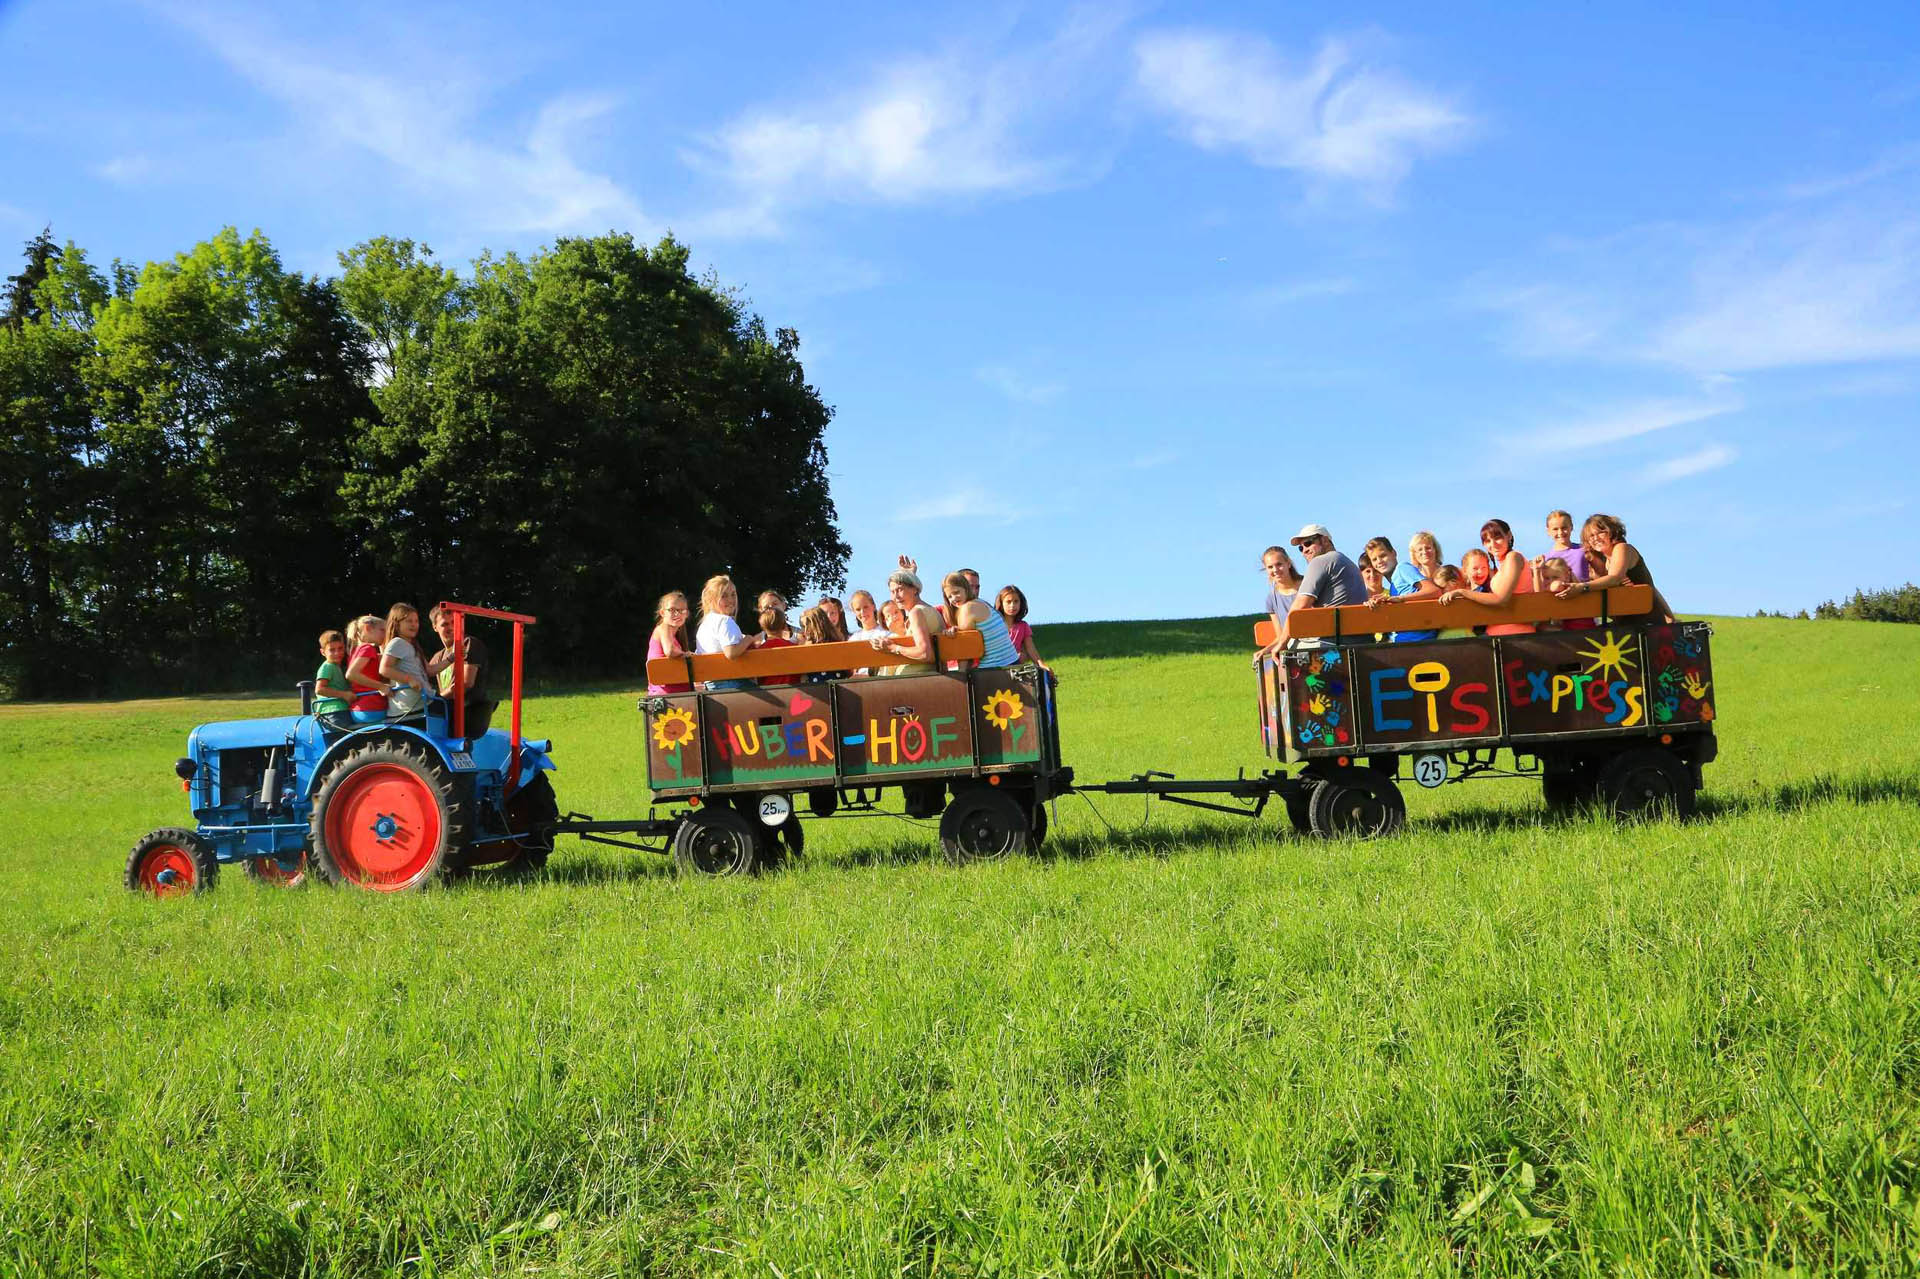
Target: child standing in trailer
pixel 775 633
pixel 330 692
pixel 1012 603
pixel 1560 533
pixel 670 637
pixel 1449 578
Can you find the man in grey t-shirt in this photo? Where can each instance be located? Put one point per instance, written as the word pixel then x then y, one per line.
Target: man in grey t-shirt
pixel 1331 579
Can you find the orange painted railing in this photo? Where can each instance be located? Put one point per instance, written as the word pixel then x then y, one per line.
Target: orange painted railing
pixel 1427 615
pixel 804 659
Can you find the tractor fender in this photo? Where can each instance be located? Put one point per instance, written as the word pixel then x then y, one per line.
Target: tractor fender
pixel 534 759
pixel 355 740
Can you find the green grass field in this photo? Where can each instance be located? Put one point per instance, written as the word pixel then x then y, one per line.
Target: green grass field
pixel 1495 1044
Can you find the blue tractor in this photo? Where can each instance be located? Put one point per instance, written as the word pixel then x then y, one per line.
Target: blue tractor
pixel 387 806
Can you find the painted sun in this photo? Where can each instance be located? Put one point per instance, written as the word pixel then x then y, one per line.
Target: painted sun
pixel 1609 653
pixel 672 728
pixel 1002 709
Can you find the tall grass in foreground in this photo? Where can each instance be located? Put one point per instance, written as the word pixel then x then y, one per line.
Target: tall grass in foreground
pixel 1495 1044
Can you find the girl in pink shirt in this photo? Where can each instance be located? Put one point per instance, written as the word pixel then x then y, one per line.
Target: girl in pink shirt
pixel 1012 603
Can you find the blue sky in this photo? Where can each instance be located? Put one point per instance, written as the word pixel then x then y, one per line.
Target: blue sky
pixel 1107 299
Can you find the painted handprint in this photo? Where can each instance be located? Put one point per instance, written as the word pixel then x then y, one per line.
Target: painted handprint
pixel 1665 709
pixel 1317 704
pixel 1308 733
pixel 1333 716
pixel 1695 688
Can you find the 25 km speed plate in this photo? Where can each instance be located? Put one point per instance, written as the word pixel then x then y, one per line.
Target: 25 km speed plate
pixel 1430 770
pixel 775 809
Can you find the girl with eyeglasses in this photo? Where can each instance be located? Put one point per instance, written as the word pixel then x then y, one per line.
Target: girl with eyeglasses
pixel 670 637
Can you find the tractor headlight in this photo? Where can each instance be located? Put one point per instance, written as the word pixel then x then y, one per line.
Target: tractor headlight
pixel 184 769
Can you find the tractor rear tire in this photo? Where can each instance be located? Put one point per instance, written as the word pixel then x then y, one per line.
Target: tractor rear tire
pixel 387 818
pixel 170 862
pixel 1646 783
pixel 1361 803
pixel 716 840
pixel 533 810
pixel 984 824
pixel 285 870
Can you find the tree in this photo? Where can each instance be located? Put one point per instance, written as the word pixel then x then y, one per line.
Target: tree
pixel 22 300
pixel 48 439
pixel 227 388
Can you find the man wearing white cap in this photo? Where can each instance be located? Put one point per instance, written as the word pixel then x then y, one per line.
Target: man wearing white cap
pixel 1330 579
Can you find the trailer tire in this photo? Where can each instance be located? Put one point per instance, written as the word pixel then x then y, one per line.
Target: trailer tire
pixel 716 840
pixel 283 871
pixel 1038 835
pixel 1359 803
pixel 1647 782
pixel 386 819
pixel 983 824
pixel 1300 805
pixel 1574 784
pixel 170 862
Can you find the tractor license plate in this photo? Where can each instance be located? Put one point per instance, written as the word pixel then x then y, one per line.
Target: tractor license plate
pixel 461 759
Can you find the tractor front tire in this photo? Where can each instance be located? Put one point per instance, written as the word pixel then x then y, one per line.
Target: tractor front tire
pixel 386 818
pixel 170 862
pixel 716 840
pixel 284 870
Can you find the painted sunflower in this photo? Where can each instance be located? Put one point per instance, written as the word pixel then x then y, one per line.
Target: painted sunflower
pixel 1003 708
pixel 673 728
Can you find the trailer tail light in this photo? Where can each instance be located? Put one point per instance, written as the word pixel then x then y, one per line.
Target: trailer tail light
pixel 1345 760
pixel 994 780
pixel 1666 739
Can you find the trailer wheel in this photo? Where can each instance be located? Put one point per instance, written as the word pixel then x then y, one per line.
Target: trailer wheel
pixel 1300 805
pixel 1569 785
pixel 984 824
pixel 1647 782
pixel 386 819
pixel 1038 836
pixel 170 862
pixel 282 870
pixel 1360 803
pixel 716 840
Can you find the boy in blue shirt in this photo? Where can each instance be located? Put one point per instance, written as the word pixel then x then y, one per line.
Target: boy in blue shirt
pixel 1398 581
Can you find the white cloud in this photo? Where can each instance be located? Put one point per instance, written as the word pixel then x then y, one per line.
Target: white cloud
pixel 969 503
pixel 923 128
pixel 1800 287
pixel 1018 387
pixel 1336 116
pixel 126 170
pixel 426 132
pixel 1710 458
pixel 1626 422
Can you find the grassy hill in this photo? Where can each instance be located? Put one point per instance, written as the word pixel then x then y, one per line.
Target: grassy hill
pixel 1494 1044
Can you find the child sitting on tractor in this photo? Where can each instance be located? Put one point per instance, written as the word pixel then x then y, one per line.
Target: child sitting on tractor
pixel 330 692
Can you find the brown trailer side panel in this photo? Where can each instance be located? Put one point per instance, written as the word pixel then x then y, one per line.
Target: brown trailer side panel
pixel 1415 694
pixel 905 724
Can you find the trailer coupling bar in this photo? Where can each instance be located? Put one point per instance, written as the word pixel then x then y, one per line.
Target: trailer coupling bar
pixel 585 827
pixel 1170 788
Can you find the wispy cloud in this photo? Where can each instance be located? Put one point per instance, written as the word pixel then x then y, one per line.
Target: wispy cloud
pixel 1155 460
pixel 426 131
pixel 1625 422
pixel 1710 458
pixel 1334 116
pixel 1886 164
pixel 127 169
pixel 962 123
pixel 1830 277
pixel 969 503
pixel 1017 386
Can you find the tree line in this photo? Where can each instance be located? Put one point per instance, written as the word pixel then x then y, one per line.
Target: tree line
pixel 1892 604
pixel 210 459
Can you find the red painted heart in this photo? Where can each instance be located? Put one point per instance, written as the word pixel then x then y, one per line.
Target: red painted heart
pixel 800 704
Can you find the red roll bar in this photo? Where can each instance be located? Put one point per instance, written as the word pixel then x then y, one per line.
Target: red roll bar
pixel 520 622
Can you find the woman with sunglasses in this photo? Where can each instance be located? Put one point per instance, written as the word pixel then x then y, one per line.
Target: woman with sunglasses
pixel 1512 576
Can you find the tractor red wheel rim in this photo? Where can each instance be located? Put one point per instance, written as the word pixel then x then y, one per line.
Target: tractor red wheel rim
pixel 283 872
pixel 383 827
pixel 167 869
